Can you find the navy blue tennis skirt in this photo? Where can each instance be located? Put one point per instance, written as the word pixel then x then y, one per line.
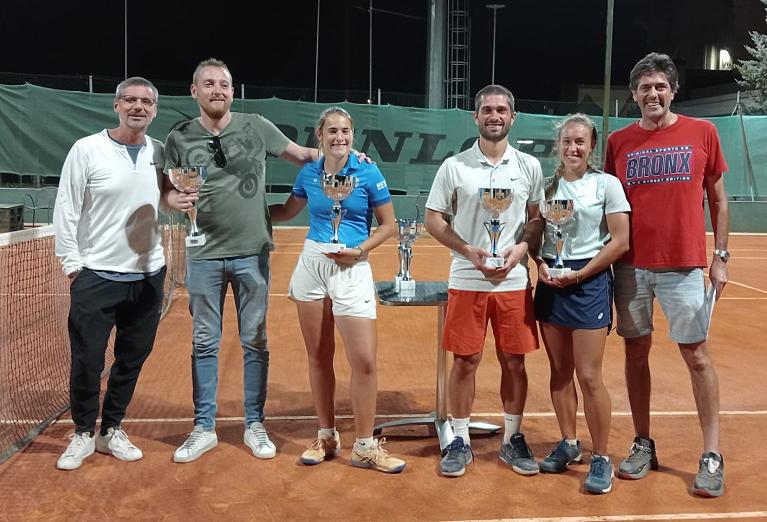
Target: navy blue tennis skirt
pixel 588 305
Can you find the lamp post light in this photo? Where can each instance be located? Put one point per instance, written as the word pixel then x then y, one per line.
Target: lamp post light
pixel 495 8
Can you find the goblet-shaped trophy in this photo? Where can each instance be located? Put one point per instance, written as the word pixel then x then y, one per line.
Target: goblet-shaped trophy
pixel 337 187
pixel 188 180
pixel 495 201
pixel 558 212
pixel 408 230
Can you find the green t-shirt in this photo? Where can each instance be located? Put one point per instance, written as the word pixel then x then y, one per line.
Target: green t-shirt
pixel 232 211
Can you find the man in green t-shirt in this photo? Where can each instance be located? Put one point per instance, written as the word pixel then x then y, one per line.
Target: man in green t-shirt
pixel 233 215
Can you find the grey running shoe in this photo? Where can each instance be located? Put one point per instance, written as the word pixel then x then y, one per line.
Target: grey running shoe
pixel 709 482
pixel 517 453
pixel 640 461
pixel 561 456
pixel 600 477
pixel 456 456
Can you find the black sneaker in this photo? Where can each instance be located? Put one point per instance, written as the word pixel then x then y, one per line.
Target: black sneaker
pixel 517 453
pixel 456 456
pixel 561 456
pixel 640 461
pixel 709 482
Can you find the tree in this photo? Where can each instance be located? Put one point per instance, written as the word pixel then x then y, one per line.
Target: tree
pixel 754 72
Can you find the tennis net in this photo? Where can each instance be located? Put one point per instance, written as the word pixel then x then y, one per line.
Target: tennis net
pixel 34 343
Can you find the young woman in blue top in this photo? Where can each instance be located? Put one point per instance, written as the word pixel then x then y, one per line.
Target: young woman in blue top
pixel 575 309
pixel 338 289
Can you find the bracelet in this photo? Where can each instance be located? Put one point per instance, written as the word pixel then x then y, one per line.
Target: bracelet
pixel 577 278
pixel 361 253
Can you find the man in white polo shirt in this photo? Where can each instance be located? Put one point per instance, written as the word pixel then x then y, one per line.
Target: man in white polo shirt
pixel 479 292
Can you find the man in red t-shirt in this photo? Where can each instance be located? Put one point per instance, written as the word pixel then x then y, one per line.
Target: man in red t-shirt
pixel 666 162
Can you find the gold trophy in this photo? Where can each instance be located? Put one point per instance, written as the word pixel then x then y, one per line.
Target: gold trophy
pixel 495 201
pixel 188 180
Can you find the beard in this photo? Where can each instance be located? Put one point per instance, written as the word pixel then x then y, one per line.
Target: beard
pixel 495 136
pixel 216 110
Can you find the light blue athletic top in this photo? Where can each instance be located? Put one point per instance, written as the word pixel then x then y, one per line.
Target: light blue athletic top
pixel 371 191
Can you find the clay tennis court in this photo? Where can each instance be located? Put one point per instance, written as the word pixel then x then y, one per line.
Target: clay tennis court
pixel 228 483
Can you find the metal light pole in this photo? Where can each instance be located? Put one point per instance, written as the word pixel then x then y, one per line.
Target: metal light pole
pixel 608 81
pixel 317 53
pixel 495 8
pixel 125 39
pixel 370 55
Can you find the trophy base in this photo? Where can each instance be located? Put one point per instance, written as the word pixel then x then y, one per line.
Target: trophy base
pixel 331 248
pixel 494 262
pixel 558 272
pixel 397 281
pixel 407 288
pixel 195 241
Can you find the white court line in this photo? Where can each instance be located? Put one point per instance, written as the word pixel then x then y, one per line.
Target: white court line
pixel 617 518
pixel 412 415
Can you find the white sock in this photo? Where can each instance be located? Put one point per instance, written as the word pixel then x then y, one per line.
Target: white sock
pixel 511 424
pixel 461 429
pixel 364 444
pixel 326 433
pixel 572 442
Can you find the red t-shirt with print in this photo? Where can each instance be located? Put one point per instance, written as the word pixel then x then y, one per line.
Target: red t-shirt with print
pixel 663 173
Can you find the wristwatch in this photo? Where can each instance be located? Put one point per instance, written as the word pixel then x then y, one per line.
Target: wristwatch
pixel 724 255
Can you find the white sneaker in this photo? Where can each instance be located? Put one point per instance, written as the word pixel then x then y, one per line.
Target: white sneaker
pixel 196 443
pixel 258 441
pixel 116 442
pixel 80 447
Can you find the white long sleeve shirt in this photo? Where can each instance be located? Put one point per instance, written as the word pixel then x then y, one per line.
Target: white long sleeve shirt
pixel 105 217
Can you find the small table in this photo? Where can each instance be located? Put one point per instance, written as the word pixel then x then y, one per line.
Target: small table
pixel 429 293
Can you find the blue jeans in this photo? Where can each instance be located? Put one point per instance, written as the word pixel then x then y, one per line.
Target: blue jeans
pixel 206 282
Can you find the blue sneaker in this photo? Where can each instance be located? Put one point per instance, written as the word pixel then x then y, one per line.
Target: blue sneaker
pixel 456 456
pixel 517 453
pixel 600 477
pixel 561 456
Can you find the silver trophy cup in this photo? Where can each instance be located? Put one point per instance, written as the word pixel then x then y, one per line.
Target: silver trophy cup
pixel 558 212
pixel 190 179
pixel 495 201
pixel 408 230
pixel 337 187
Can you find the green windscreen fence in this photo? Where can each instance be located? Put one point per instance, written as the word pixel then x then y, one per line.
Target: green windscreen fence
pixel 38 126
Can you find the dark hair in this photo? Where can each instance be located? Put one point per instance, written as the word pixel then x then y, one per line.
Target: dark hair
pixel 210 62
pixel 135 80
pixel 493 89
pixel 655 62
pixel 578 117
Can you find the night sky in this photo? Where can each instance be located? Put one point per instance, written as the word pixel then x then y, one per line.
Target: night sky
pixel 542 46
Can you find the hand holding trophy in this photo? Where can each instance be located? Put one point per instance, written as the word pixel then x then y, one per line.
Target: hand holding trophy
pixel 558 212
pixel 495 201
pixel 337 187
pixel 190 179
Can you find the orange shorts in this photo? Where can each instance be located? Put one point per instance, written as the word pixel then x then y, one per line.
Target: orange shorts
pixel 511 315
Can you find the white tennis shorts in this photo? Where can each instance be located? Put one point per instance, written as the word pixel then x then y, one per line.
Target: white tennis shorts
pixel 351 289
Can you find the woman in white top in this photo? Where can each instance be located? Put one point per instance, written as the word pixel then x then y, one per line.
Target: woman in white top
pixel 575 308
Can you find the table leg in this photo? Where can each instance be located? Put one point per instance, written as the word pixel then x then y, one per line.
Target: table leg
pixel 441 422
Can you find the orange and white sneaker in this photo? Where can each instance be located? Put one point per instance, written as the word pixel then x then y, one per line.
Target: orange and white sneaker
pixel 377 458
pixel 321 449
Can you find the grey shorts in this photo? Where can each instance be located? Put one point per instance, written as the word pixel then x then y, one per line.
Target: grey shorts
pixel 681 294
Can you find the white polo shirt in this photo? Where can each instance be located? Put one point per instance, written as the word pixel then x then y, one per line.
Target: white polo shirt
pixel 594 196
pixel 456 190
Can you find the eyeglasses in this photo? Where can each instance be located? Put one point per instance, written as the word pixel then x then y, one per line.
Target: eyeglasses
pixel 219 158
pixel 146 102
